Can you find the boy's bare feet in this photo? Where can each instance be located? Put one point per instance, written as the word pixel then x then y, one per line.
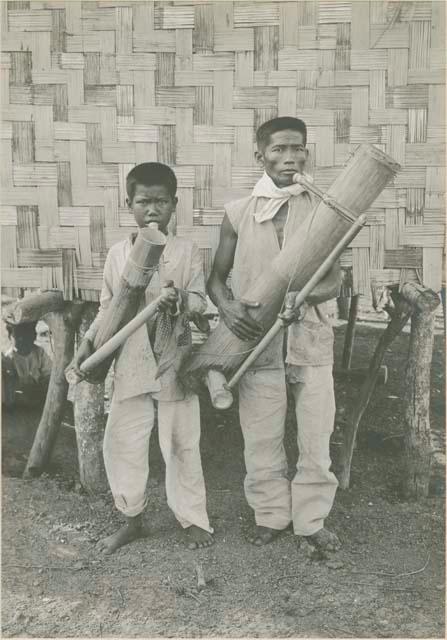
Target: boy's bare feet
pixel 132 530
pixel 197 538
pixel 263 535
pixel 324 541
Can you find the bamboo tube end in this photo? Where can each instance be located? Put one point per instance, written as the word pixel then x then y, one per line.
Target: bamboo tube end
pixel 152 235
pixel 220 394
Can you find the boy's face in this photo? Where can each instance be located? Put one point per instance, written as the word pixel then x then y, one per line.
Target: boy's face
pixel 152 204
pixel 283 156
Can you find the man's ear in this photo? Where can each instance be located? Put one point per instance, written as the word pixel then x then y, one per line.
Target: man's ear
pixel 175 199
pixel 259 157
pixel 128 202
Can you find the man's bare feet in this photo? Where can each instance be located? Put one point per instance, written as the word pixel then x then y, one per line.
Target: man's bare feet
pixel 197 538
pixel 324 541
pixel 263 535
pixel 132 530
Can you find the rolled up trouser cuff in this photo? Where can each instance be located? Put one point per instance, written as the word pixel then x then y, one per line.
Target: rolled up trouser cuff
pixel 129 510
pixel 270 524
pixel 185 524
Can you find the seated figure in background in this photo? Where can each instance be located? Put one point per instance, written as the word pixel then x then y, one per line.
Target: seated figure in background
pixel 26 368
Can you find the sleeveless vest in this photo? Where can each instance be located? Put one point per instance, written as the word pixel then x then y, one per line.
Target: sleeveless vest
pixel 310 341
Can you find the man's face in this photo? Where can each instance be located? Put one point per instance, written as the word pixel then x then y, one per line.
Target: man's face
pixel 284 156
pixel 22 339
pixel 152 204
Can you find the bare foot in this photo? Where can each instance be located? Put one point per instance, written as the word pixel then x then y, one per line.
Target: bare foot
pixel 127 533
pixel 263 535
pixel 197 538
pixel 324 541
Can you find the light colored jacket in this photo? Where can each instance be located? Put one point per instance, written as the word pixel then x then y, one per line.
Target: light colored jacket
pixel 135 365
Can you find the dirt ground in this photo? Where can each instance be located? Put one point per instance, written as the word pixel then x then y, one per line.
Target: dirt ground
pixel 388 581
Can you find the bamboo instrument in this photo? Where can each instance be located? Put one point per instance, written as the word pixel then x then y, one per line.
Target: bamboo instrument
pixel 109 347
pixel 300 298
pixel 360 182
pixel 137 273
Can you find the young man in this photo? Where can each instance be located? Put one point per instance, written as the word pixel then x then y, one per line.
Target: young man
pixel 253 231
pixel 151 197
pixel 26 368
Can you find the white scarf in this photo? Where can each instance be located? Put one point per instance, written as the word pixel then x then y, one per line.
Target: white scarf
pixel 266 188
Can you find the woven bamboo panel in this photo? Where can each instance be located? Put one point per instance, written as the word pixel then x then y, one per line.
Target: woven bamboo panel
pixel 89 89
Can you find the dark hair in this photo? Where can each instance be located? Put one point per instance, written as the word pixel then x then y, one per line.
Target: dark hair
pixel 279 124
pixel 148 174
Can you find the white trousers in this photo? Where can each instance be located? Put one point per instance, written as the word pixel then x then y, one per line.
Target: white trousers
pixel 126 456
pixel 308 499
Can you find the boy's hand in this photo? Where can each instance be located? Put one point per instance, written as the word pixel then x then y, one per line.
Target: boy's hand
pixel 85 351
pixel 235 315
pixel 169 297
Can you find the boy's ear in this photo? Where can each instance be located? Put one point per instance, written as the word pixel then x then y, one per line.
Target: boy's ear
pixel 259 157
pixel 128 202
pixel 175 199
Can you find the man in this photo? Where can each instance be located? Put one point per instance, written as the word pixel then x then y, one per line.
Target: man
pixel 26 368
pixel 253 231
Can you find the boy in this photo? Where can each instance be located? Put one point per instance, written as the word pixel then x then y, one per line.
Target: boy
pixel 151 197
pixel 253 231
pixel 26 368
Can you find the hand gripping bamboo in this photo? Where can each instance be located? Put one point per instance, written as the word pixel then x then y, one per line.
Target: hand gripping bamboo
pixel 109 347
pixel 137 273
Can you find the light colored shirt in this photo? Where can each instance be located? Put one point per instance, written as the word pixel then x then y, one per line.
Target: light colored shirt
pixel 135 367
pixel 310 339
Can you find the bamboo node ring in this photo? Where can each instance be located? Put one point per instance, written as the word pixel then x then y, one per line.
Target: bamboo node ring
pixel 144 269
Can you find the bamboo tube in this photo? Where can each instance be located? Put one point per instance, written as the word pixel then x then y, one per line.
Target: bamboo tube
pixel 300 298
pixel 355 189
pixel 109 348
pixel 220 394
pixel 137 273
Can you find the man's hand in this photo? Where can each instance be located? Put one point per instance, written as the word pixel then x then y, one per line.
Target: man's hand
pixel 291 313
pixel 236 317
pixel 169 298
pixel 85 351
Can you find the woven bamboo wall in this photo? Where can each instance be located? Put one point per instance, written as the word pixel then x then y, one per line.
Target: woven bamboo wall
pixel 91 88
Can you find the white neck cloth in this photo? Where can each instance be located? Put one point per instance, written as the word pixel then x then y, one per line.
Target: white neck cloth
pixel 266 188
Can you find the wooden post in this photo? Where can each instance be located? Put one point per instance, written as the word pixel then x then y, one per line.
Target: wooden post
pixel 412 298
pixel 344 298
pixel 33 307
pixel 416 397
pixel 350 333
pixel 359 374
pixel 89 422
pixel 399 319
pixel 63 325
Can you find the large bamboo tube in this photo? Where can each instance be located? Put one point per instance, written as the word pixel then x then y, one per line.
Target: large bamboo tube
pixel 137 273
pixel 358 185
pixel 109 347
pixel 310 285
